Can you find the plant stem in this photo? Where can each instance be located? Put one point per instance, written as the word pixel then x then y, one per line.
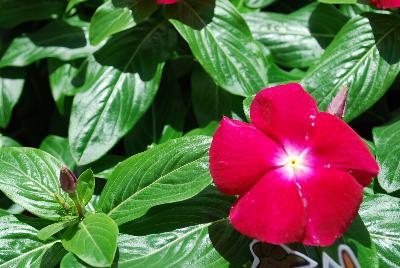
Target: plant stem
pixel 78 205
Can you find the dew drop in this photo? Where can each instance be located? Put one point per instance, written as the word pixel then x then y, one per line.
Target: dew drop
pixel 313 116
pixel 327 166
pixel 313 124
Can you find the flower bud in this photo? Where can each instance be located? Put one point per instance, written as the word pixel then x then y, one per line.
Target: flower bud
pixel 338 105
pixel 67 180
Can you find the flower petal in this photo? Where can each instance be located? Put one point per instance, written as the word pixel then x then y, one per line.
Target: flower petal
pixel 386 3
pixel 334 144
pixel 166 2
pixel 272 211
pixel 239 156
pixel 332 198
pixel 284 112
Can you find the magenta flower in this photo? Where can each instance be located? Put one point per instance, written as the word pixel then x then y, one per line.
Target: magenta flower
pixel 299 173
pixel 166 2
pixel 386 3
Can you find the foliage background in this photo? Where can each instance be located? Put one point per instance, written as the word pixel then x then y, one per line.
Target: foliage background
pixel 93 83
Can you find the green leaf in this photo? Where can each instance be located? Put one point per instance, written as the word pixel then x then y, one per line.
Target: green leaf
pixel 72 3
pixel 20 245
pixel 191 233
pixel 211 102
pixel 103 167
pixel 59 148
pixel 54 228
pixel 297 40
pixel 355 9
pixel 61 76
pixel 29 177
pixel 222 43
pixel 94 240
pixel 13 12
pixel 258 3
pixel 208 130
pixel 387 143
pixel 365 57
pixel 11 85
pixel 8 142
pixel 246 106
pixel 338 1
pixel 70 261
pixel 163 121
pixel 120 85
pixel 170 172
pixel 117 15
pixel 59 39
pixel 381 215
pixel 85 186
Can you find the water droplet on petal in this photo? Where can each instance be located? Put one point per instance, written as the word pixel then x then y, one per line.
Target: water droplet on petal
pixel 313 116
pixel 327 166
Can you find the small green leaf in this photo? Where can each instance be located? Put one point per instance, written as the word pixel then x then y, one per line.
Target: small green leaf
pixel 85 186
pixel 94 240
pixel 11 85
pixel 59 148
pixel 72 3
pixel 387 143
pixel 70 261
pixel 8 142
pixel 169 172
pixel 208 130
pixel 30 178
pixel 54 228
pixel 117 15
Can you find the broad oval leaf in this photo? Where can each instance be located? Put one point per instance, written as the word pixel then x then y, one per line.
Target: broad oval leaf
pixel 381 215
pixel 59 39
pixel 8 142
pixel 29 177
pixel 363 56
pixel 117 15
pixel 297 40
pixel 50 230
pixel 222 42
pixel 85 186
pixel 13 12
pixel 11 85
pixel 170 172
pixel 387 149
pixel 120 85
pixel 94 240
pixel 20 246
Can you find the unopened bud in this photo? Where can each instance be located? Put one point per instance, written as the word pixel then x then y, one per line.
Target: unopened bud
pixel 338 105
pixel 67 180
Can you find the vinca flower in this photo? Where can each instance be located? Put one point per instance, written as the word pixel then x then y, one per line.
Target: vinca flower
pixel 166 2
pixel 299 173
pixel 386 3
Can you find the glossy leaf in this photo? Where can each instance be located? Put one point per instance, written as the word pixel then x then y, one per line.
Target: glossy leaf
pixel 59 148
pixel 73 3
pixel 103 167
pixel 85 186
pixel 8 142
pixel 94 240
pixel 258 3
pixel 13 12
pixel 170 172
pixel 381 215
pixel 120 85
pixel 29 177
pixel 117 15
pixel 297 40
pixel 386 139
pixel 222 43
pixel 70 261
pixel 58 39
pixel 11 85
pixel 50 230
pixel 191 233
pixel 362 57
pixel 20 245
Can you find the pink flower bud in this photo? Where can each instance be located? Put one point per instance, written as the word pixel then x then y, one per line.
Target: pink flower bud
pixel 67 180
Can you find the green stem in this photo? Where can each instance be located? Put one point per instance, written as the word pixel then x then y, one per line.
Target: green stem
pixel 78 205
pixel 62 202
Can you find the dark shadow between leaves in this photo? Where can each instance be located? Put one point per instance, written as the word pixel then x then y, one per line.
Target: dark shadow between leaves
pixel 59 34
pixel 325 32
pixel 139 50
pixel 53 256
pixel 386 30
pixel 193 13
pixel 229 243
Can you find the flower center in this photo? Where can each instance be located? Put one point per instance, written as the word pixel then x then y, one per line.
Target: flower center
pixel 294 163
